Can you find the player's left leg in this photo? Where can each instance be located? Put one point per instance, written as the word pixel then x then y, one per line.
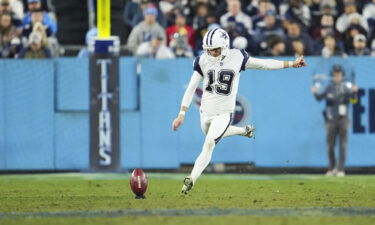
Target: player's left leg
pixel 247 131
pixel 216 130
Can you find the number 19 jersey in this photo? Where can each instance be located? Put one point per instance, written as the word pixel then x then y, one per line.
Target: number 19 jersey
pixel 220 81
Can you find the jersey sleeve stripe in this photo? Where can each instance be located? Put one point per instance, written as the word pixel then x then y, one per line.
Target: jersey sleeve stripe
pixel 196 66
pixel 245 58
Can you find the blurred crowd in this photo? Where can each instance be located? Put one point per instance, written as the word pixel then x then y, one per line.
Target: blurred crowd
pixel 175 28
pixel 27 32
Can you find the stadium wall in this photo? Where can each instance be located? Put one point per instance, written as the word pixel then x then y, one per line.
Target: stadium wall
pixel 44 115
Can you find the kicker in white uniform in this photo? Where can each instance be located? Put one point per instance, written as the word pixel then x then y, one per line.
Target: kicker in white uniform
pixel 219 67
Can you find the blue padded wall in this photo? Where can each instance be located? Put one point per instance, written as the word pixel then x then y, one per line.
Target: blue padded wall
pixel 72 84
pixel 44 116
pixel 131 146
pixel 128 84
pixel 158 104
pixel 71 141
pixel 2 117
pixel 29 114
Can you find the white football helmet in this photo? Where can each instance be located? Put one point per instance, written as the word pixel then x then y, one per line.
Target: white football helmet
pixel 216 38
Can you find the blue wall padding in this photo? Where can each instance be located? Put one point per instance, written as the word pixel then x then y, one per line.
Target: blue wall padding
pixel 3 74
pixel 29 114
pixel 71 140
pixel 44 122
pixel 72 84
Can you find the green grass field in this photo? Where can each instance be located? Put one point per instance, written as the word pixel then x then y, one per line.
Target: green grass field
pixel 216 199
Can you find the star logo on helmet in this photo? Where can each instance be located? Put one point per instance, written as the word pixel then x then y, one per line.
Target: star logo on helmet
pixel 224 35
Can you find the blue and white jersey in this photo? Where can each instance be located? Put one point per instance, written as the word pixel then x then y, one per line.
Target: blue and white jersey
pixel 220 81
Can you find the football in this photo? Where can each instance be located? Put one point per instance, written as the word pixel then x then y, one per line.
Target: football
pixel 138 183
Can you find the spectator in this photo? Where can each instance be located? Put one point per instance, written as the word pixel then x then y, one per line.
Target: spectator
pixel 350 16
pixel 299 48
pixel 330 48
pixel 130 11
pixel 147 29
pixel 236 30
pixel 221 8
pixel 359 43
pixel 155 49
pixel 170 10
pixel 35 50
pixel 211 20
pixel 47 21
pixel 211 23
pixel 369 11
pixel 276 47
pixel 36 24
pixel 271 26
pixel 316 12
pixel 181 28
pixel 250 7
pixel 211 5
pixel 328 7
pixel 7 33
pixel 48 39
pixel 134 12
pixel 295 32
pixel 321 7
pixel 349 35
pixel 263 7
pixel 326 26
pixel 199 20
pixel 298 11
pixel 17 8
pixel 337 95
pixel 90 34
pixel 180 47
pixel 14 48
pixel 6 8
pixel 234 11
pixel 369 14
pixel 373 48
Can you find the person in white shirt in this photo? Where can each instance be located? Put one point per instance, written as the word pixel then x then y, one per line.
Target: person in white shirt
pixel 155 48
pixel 234 10
pixel 219 68
pixel 369 11
pixel 349 17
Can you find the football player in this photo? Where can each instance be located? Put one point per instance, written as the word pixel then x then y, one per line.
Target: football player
pixel 219 67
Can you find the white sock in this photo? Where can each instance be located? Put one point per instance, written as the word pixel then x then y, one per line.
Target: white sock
pixel 203 159
pixel 233 130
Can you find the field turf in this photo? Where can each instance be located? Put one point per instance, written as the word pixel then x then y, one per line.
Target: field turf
pixel 82 199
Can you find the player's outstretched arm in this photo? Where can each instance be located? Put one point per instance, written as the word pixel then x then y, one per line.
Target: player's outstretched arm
pixel 186 100
pixel 299 62
pixel 271 64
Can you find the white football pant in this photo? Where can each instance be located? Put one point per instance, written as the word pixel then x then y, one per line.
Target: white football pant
pixel 215 127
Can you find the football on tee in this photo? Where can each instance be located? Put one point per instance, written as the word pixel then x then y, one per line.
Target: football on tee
pixel 138 183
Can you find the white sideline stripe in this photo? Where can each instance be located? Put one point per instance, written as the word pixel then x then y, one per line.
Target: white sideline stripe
pixel 169 176
pixel 307 212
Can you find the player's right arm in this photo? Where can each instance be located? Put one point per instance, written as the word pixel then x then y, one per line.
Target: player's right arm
pixel 196 78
